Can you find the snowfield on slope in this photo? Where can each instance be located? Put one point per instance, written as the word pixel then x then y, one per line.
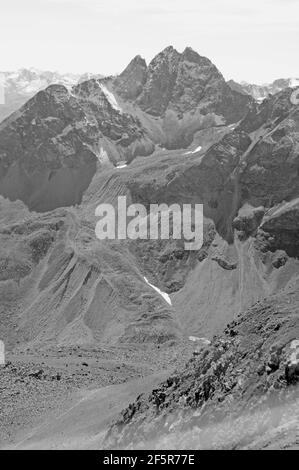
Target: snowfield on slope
pixel 121 164
pixel 193 151
pixel 110 97
pixel 163 294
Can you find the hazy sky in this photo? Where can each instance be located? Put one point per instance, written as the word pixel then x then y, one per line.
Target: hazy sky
pixel 253 40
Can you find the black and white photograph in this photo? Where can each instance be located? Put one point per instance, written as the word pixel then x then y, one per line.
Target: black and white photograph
pixel 149 229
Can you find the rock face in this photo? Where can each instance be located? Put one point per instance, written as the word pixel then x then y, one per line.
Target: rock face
pixel 160 82
pixel 182 82
pixel 271 171
pixel 252 366
pixel 280 230
pixel 49 149
pixel 48 172
pixel 248 220
pixel 130 82
pixel 187 93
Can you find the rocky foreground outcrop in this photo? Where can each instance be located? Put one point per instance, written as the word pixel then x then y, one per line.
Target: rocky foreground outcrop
pixel 231 393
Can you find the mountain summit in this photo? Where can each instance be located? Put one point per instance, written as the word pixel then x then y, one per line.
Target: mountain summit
pixel 181 82
pixel 59 136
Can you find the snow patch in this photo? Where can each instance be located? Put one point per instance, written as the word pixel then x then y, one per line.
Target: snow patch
pixel 50 119
pixel 121 164
pixel 202 340
pixel 193 151
pixel 163 294
pixel 110 97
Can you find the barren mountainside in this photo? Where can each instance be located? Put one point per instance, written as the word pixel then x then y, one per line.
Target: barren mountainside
pixel 172 131
pixel 60 131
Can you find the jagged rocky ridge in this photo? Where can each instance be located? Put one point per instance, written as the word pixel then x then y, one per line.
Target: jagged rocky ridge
pixel 19 86
pixel 239 392
pixel 60 136
pixel 231 394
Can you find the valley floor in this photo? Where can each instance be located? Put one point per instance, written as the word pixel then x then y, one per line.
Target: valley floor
pixel 83 421
pixel 80 419
pixel 66 397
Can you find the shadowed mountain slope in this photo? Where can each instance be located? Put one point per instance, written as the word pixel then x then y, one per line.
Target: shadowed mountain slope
pixel 51 148
pixel 244 257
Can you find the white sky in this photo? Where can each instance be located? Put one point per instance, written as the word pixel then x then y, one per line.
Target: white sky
pixel 253 40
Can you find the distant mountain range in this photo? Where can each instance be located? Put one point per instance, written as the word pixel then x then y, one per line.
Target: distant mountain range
pixel 260 92
pixel 21 85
